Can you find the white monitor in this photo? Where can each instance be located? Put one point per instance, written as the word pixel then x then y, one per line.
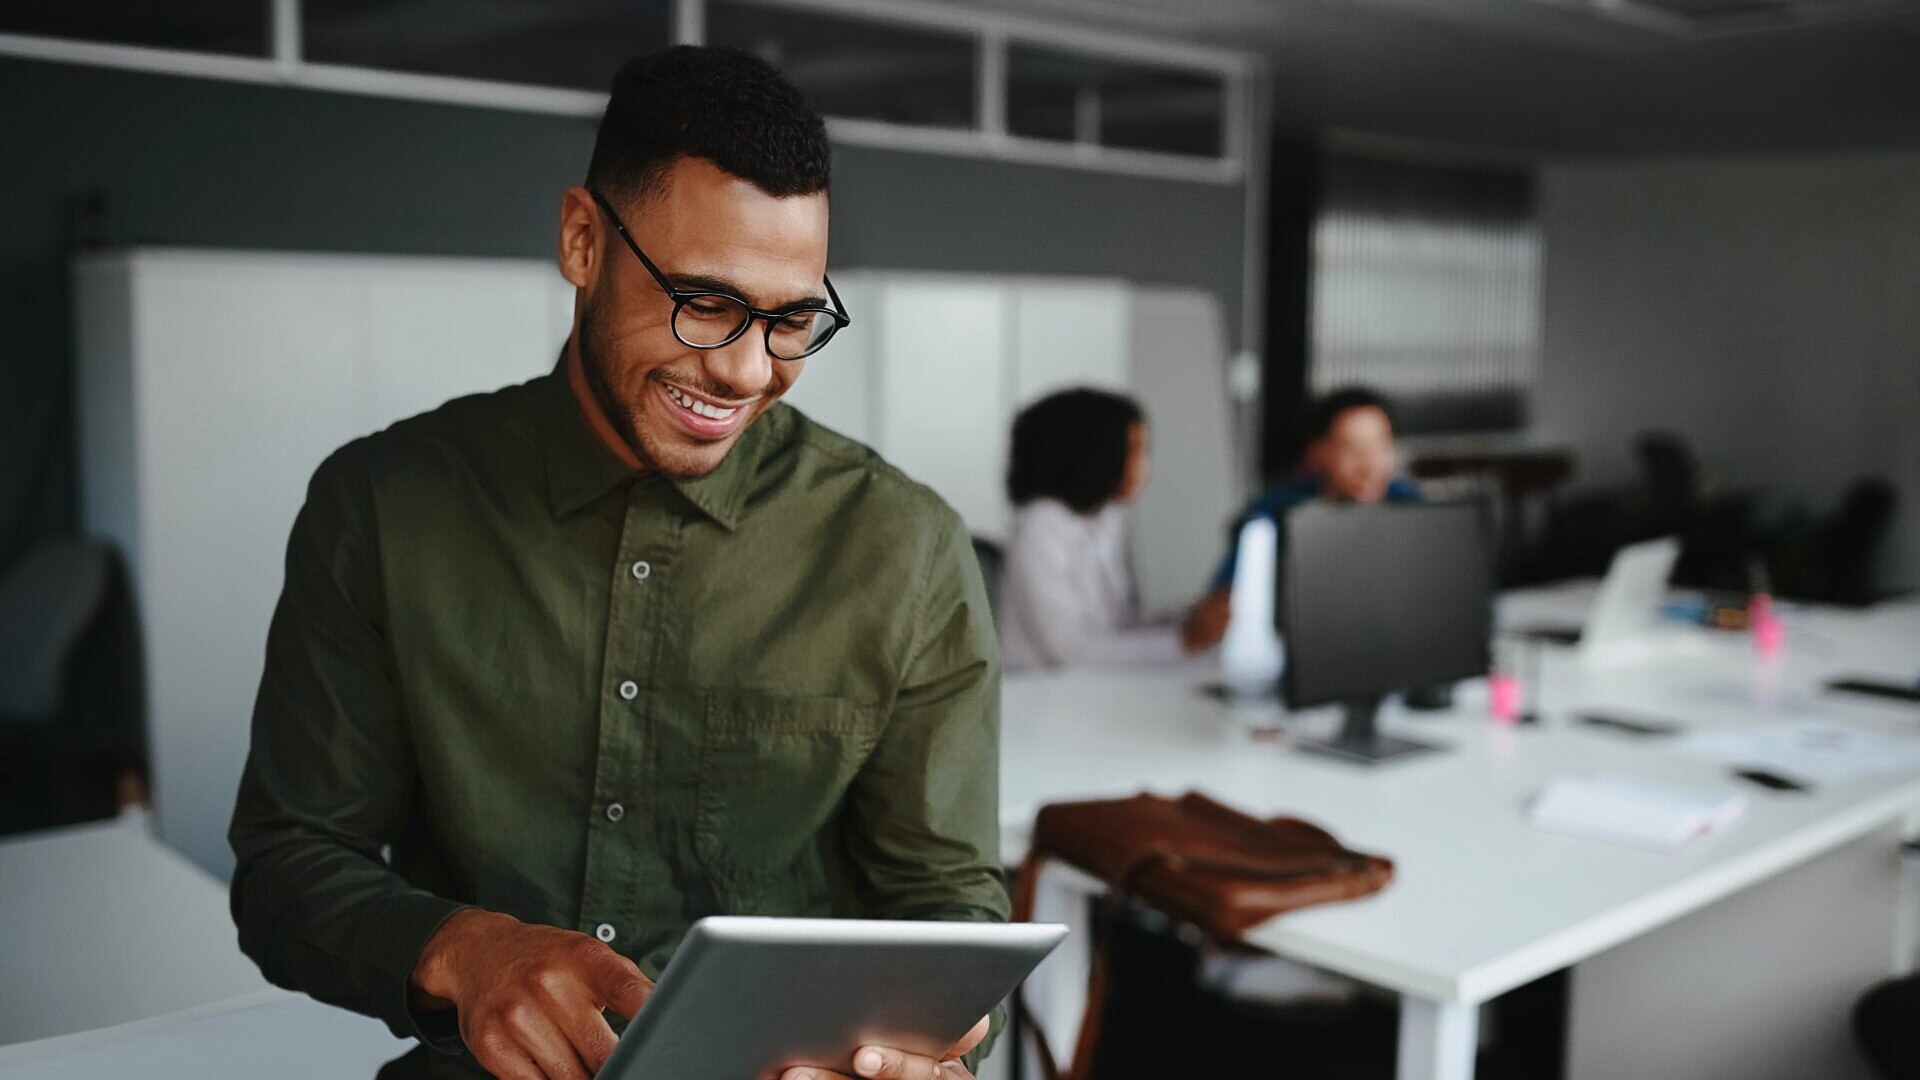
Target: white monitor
pixel 1628 603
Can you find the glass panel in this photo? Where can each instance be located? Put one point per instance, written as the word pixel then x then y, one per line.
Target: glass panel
pixel 573 44
pixel 234 27
pixel 1072 98
pixel 856 68
pixel 1426 288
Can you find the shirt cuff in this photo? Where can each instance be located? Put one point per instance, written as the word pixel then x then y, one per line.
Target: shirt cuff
pixel 404 932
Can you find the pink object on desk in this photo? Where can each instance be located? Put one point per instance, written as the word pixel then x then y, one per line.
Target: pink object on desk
pixel 1503 698
pixel 1769 633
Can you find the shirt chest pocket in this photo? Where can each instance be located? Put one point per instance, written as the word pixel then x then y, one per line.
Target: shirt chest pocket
pixel 773 771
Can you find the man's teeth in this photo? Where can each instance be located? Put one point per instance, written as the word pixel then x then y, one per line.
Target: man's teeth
pixel 695 405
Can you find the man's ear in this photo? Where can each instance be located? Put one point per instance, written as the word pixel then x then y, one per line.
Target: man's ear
pixel 578 248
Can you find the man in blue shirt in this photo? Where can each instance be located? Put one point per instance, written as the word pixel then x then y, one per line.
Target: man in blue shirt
pixel 1350 458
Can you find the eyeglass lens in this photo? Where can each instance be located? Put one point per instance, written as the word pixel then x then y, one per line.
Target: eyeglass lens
pixel 709 320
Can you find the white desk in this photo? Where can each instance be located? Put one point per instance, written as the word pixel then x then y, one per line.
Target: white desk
pixel 1482 902
pixel 101 924
pixel 275 1034
pixel 118 959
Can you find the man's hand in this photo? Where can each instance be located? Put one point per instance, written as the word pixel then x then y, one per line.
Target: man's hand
pixel 1207 623
pixel 529 997
pixel 880 1063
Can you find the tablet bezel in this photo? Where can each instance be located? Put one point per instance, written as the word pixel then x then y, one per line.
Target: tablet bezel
pixel 969 968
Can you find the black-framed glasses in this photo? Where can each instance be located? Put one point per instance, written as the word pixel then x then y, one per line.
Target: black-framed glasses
pixel 703 319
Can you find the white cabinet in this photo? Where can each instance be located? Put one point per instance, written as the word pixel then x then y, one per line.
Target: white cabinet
pixel 1178 340
pixel 943 392
pixel 440 327
pixel 1070 333
pixel 211 383
pixel 838 387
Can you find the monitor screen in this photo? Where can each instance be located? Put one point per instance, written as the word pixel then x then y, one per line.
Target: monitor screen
pixel 1383 598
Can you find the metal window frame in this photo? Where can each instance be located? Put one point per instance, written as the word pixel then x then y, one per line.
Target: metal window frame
pixel 283 63
pixel 1245 137
pixel 1672 22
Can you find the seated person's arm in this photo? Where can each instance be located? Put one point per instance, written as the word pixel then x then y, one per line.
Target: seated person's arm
pixel 328 782
pixel 1206 621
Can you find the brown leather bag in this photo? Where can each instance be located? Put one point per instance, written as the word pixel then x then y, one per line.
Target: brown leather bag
pixel 1194 859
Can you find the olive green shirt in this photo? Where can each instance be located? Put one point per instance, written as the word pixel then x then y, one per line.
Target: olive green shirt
pixel 504 671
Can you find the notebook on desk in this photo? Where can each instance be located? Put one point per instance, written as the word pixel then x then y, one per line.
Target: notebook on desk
pixel 1632 812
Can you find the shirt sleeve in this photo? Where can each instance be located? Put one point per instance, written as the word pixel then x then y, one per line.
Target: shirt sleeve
pixel 923 814
pixel 1229 562
pixel 328 781
pixel 1054 619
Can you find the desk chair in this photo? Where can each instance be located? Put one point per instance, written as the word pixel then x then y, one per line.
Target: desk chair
pixel 71 683
pixel 1834 561
pixel 993 565
pixel 1883 1024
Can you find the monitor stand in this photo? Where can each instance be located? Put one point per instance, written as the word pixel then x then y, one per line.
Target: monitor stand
pixel 1360 739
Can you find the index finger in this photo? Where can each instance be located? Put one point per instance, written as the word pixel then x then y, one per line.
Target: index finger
pixel 618 982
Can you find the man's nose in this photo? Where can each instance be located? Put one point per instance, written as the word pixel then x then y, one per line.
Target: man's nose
pixel 743 366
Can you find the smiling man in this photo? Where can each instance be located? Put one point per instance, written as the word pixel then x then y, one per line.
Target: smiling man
pixel 560 669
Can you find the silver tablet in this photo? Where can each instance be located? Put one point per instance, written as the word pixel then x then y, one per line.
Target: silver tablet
pixel 744 998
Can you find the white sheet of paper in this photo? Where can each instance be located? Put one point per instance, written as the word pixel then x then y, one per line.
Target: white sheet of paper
pixel 1632 812
pixel 1816 750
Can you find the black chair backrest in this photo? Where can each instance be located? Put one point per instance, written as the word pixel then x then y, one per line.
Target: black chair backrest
pixel 993 562
pixel 1852 538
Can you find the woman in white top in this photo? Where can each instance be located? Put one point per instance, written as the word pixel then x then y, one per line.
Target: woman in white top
pixel 1066 593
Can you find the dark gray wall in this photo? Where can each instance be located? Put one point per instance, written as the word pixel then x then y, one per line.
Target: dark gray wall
pixel 1764 308
pixel 925 211
pixel 196 162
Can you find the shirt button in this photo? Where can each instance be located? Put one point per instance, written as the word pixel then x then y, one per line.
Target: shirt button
pixel 604 931
pixel 615 811
pixel 641 570
pixel 629 690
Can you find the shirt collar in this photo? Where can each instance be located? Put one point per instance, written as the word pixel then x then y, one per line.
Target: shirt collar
pixel 722 494
pixel 580 468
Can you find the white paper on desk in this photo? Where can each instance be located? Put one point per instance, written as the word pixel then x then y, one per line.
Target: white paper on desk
pixel 1817 750
pixel 1632 812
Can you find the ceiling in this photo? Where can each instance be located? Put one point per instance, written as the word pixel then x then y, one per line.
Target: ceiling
pixel 1552 78
pixel 1506 79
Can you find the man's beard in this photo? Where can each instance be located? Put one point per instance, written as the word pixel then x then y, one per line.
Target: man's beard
pixel 596 361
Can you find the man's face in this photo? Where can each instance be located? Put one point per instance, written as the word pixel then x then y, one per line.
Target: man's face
pixel 1355 457
pixel 678 408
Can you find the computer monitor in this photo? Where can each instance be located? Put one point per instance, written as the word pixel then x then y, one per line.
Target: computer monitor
pixel 1379 599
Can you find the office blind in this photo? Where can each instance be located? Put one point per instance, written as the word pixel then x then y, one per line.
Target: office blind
pixel 1426 288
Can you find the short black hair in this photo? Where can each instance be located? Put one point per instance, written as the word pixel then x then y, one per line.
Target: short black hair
pixel 1326 408
pixel 708 102
pixel 1071 446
